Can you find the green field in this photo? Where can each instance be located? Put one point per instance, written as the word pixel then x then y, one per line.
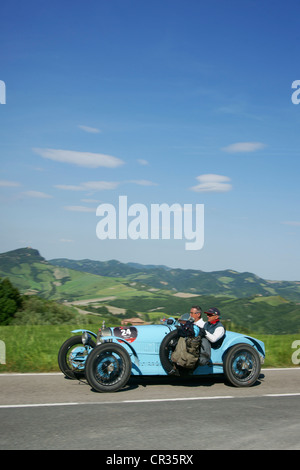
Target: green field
pixel 35 348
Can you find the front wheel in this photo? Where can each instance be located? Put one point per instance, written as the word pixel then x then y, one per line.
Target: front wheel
pixel 108 367
pixel 72 356
pixel 242 365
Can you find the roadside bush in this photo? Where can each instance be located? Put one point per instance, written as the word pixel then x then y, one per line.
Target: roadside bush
pixel 10 301
pixel 37 311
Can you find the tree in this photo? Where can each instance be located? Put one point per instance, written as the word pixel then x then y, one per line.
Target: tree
pixel 10 301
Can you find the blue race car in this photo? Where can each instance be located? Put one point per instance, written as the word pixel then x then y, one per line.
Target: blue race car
pixel 109 358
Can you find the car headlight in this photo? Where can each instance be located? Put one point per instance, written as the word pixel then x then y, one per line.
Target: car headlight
pixel 85 338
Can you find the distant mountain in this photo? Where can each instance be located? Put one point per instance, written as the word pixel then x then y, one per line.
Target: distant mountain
pixel 246 301
pixel 21 255
pixel 27 269
pixel 32 274
pixel 228 282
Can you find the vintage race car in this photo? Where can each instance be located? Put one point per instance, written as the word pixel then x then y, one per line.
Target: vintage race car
pixel 109 358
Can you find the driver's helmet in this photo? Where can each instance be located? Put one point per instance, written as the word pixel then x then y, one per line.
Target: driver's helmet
pixel 186 317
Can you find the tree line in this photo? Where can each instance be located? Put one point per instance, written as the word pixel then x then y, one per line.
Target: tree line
pixel 18 309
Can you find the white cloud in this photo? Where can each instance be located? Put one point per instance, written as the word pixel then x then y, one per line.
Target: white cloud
pixel 90 130
pixel 143 182
pixel 237 109
pixel 100 185
pixel 69 187
pixel 79 209
pixel 212 183
pixel 85 159
pixel 93 186
pixel 243 147
pixel 292 223
pixel 89 186
pixel 93 201
pixel 141 161
pixel 9 184
pixel 37 194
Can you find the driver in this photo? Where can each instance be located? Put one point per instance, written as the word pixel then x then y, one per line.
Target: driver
pixel 213 330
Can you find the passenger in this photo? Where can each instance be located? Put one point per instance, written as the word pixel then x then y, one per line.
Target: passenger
pixel 196 314
pixel 213 329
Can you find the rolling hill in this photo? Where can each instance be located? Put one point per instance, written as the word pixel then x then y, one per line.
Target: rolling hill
pixel 245 300
pixel 229 283
pixel 32 274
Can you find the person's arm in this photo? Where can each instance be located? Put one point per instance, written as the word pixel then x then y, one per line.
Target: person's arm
pixel 217 334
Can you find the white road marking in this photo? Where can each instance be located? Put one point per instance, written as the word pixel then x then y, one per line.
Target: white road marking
pixel 151 400
pixel 282 395
pixel 280 369
pixel 28 374
pixel 37 405
pixel 154 400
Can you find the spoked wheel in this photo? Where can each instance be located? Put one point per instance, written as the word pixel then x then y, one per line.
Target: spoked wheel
pixel 167 346
pixel 242 365
pixel 108 368
pixel 72 357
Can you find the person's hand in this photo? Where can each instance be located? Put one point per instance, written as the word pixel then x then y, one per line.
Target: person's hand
pixel 202 332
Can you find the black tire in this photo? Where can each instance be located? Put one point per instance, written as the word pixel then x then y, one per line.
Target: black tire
pixel 242 365
pixel 73 367
pixel 108 367
pixel 167 346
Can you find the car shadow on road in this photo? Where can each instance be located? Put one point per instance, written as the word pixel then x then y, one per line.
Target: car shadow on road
pixel 144 381
pixel 148 381
pixel 182 381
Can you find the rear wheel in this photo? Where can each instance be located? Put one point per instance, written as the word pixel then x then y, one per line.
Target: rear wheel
pixel 167 346
pixel 72 356
pixel 242 365
pixel 108 367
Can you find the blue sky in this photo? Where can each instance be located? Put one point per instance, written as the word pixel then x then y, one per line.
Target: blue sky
pixel 165 102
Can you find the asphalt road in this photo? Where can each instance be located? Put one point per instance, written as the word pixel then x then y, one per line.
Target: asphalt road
pixel 48 412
